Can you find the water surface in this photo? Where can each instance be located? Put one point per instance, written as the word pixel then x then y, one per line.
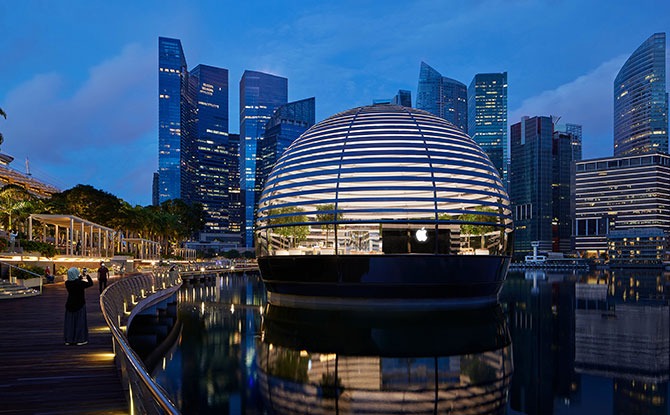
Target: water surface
pixel 596 343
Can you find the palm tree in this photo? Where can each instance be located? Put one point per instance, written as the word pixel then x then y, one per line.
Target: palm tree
pixel 2 139
pixel 14 200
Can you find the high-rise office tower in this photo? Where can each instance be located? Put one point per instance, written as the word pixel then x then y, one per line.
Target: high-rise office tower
pixel 208 157
pixel 235 206
pixel 566 150
pixel 541 184
pixel 641 101
pixel 287 123
pixel 172 85
pixel 487 116
pixel 445 97
pixel 403 97
pixel 154 189
pixel 260 95
pixel 530 183
pixel 195 155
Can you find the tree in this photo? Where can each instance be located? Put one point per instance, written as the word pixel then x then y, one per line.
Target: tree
pixel 2 139
pixel 295 233
pixel 15 201
pixel 329 218
pixel 88 203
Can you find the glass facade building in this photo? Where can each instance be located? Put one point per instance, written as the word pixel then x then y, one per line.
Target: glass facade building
pixel 487 116
pixel 403 97
pixel 566 150
pixel 260 95
pixel 445 97
pixel 531 183
pixel 209 159
pixel 197 159
pixel 287 123
pixel 641 101
pixel 172 85
pixel 393 200
pixel 620 193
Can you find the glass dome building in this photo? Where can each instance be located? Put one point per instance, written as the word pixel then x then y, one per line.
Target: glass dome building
pixel 383 204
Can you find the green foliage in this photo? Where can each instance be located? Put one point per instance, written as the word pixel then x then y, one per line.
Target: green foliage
pixel 88 203
pixel 15 204
pixel 43 248
pixel 290 365
pixel 471 227
pixel 249 255
pixel 23 272
pixel 296 233
pixel 2 139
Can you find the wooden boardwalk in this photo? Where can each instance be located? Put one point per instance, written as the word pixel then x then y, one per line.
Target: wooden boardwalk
pixel 40 375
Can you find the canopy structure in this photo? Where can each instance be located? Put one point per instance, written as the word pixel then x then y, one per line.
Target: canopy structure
pixel 75 236
pixel 143 248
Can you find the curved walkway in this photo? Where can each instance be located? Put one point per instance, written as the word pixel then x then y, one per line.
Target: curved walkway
pixel 40 375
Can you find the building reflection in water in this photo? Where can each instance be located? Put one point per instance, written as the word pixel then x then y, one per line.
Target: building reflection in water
pixel 315 362
pixel 583 343
pixel 211 368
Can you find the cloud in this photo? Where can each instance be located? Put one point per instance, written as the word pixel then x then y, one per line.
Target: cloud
pixel 73 136
pixel 587 100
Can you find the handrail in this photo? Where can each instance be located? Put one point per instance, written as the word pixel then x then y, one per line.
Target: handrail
pixel 22 269
pixel 114 303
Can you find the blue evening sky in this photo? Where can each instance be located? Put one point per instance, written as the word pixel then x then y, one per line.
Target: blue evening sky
pixel 79 78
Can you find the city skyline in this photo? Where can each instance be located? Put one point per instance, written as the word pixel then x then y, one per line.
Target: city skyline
pixel 80 93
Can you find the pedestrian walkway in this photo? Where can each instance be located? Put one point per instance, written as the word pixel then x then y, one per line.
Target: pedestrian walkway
pixel 40 375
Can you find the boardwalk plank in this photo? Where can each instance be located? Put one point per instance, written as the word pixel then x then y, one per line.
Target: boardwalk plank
pixel 40 375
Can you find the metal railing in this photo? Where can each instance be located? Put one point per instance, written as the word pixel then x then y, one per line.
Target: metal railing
pixel 12 266
pixel 120 302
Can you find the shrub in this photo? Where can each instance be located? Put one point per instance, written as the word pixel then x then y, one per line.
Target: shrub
pixel 43 248
pixel 22 272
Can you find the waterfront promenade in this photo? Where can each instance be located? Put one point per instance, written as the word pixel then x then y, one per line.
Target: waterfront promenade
pixel 40 375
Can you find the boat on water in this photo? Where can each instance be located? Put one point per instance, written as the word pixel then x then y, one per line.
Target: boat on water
pixel 552 261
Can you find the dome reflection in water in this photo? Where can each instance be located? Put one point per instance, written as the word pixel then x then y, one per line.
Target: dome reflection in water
pixel 235 354
pixel 414 362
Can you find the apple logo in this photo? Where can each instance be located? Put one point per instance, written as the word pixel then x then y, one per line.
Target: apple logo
pixel 422 235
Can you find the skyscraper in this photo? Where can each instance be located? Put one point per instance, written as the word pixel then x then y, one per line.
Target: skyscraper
pixel 487 116
pixel 287 123
pixel 530 183
pixel 403 97
pixel 172 85
pixel 566 150
pixel 541 184
pixel 641 101
pixel 260 95
pixel 445 97
pixel 195 155
pixel 208 157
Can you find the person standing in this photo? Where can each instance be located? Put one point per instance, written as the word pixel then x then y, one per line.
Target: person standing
pixel 103 273
pixel 76 325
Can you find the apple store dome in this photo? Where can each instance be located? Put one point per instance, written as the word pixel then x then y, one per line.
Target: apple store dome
pixel 377 194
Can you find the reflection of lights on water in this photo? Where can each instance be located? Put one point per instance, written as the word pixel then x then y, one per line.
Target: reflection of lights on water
pixel 202 307
pixel 232 308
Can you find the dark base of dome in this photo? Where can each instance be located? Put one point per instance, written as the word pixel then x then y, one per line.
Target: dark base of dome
pixel 340 281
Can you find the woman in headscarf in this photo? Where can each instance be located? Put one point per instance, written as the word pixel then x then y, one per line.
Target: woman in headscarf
pixel 76 326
